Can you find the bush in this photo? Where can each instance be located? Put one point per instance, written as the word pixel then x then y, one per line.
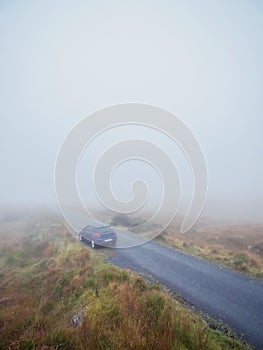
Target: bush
pixel 125 220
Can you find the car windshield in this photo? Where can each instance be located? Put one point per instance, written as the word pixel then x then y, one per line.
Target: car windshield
pixel 104 229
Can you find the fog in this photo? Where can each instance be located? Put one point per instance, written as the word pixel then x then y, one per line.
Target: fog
pixel 202 61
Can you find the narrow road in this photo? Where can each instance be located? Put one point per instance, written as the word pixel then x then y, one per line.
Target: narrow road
pixel 224 294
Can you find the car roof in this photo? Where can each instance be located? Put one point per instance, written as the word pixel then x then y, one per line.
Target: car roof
pixel 102 226
pixel 98 226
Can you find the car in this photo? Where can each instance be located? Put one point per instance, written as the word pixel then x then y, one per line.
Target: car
pixel 100 235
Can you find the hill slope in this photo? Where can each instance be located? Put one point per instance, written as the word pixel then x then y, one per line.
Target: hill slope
pixel 57 294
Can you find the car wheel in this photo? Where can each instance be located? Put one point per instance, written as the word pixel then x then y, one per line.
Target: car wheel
pixel 92 244
pixel 80 237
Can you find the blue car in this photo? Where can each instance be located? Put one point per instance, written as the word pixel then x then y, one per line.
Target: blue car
pixel 103 235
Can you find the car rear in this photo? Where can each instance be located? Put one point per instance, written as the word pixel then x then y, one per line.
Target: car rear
pixel 105 235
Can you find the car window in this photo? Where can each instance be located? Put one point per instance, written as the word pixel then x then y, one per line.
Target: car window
pixel 106 229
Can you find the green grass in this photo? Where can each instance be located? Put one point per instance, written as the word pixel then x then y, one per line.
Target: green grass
pixel 47 278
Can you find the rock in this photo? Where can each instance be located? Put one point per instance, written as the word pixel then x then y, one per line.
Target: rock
pixel 78 318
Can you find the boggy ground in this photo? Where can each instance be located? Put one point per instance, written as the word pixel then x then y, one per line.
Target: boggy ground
pixel 238 246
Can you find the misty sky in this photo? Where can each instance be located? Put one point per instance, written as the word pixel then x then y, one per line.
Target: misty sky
pixel 201 60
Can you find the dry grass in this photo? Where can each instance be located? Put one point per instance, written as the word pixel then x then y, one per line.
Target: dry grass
pixel 47 277
pixel 239 247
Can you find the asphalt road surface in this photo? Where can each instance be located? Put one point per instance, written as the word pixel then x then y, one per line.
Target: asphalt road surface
pixel 224 294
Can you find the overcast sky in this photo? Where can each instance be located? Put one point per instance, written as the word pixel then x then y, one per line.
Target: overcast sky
pixel 201 60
